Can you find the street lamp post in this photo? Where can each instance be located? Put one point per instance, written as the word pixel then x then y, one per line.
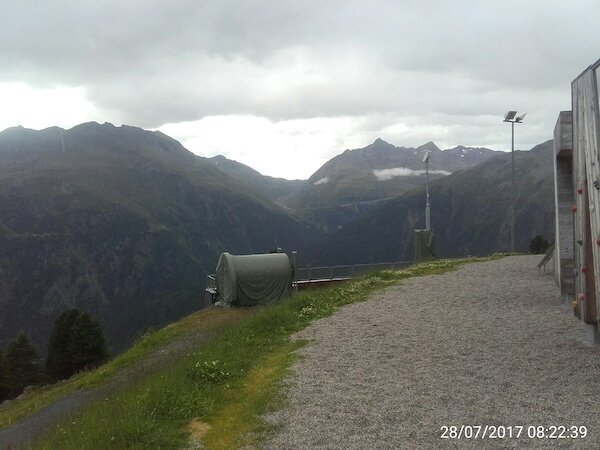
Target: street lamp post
pixel 424 239
pixel 512 118
pixel 427 212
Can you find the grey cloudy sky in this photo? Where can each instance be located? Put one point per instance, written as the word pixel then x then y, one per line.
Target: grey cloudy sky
pixel 283 86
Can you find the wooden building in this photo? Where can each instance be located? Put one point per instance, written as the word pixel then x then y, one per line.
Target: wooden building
pixel 577 197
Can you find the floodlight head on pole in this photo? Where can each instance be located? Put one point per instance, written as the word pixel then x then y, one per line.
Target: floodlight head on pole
pixel 510 117
pixel 426 157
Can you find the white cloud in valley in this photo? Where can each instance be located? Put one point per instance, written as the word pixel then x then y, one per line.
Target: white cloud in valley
pixel 323 180
pixel 388 174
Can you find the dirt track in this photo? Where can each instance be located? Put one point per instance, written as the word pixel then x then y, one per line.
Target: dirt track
pixel 488 344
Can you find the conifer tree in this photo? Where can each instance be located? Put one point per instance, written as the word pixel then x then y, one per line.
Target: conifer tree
pixel 76 343
pixel 21 365
pixel 538 244
pixel 86 345
pixel 58 363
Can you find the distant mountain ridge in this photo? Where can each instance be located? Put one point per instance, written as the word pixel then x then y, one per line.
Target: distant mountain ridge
pixel 470 213
pixel 355 182
pixel 125 223
pixel 276 189
pixel 122 223
pixel 351 176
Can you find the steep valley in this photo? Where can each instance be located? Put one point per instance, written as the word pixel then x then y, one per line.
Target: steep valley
pixel 126 223
pixel 121 222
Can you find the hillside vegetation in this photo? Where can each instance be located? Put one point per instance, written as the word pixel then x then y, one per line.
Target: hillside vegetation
pixel 217 393
pixel 122 223
pixel 470 214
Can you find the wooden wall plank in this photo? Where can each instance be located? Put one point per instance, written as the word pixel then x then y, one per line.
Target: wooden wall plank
pixel 586 168
pixel 563 200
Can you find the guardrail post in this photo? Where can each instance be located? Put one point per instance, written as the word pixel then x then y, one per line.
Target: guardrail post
pixel 295 269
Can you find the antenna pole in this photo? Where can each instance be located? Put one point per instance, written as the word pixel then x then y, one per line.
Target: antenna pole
pixel 512 205
pixel 427 212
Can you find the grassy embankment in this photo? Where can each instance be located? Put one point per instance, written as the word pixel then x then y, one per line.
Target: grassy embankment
pixel 218 393
pixel 210 320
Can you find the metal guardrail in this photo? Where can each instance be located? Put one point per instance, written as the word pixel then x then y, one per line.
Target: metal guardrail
pixel 211 287
pixel 307 275
pixel 344 272
pixel 547 257
pixel 211 283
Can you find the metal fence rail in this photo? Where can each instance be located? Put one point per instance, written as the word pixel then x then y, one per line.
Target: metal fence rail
pixel 210 295
pixel 344 272
pixel 308 275
pixel 211 283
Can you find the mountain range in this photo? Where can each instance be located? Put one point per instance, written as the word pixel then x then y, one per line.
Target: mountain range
pixel 381 170
pixel 470 214
pixel 125 223
pixel 357 181
pixel 122 223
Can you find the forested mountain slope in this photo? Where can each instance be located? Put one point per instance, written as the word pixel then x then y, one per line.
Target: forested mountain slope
pixel 122 223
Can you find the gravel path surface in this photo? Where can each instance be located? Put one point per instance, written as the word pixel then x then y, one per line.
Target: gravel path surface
pixel 488 344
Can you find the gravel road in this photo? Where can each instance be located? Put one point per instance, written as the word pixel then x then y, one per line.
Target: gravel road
pixel 488 344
